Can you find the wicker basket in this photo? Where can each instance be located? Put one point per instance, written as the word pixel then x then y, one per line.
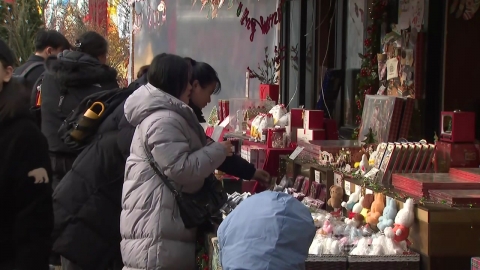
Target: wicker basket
pixel 409 261
pixel 326 262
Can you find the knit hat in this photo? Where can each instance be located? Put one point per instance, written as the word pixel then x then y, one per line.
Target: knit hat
pixel 6 54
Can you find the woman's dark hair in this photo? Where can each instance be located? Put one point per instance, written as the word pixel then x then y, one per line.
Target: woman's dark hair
pixel 142 71
pixel 170 73
pixel 92 43
pixel 12 101
pixel 204 74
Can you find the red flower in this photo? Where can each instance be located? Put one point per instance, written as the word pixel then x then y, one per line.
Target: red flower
pixel 368 42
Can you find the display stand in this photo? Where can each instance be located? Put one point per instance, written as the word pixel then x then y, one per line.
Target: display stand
pixel 445 237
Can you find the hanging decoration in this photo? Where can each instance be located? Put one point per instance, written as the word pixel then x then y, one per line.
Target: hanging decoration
pixel 155 11
pixel 367 79
pixel 213 6
pixel 265 23
pixel 464 8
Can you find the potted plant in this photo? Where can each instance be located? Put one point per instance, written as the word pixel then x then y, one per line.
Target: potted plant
pixel 268 74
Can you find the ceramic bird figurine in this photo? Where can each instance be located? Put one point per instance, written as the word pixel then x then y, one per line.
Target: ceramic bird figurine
pixel 364 165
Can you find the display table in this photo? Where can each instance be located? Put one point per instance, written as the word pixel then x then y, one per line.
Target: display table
pixel 445 237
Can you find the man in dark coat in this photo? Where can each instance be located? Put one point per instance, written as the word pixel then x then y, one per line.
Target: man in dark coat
pixel 47 43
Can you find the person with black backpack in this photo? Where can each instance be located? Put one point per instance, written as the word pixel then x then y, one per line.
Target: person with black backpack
pixel 91 239
pixel 47 43
pixel 70 78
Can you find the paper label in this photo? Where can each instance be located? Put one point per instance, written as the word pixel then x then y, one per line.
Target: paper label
pixel 371 173
pixel 317 176
pixel 347 188
pixel 392 68
pixel 297 152
pixel 338 179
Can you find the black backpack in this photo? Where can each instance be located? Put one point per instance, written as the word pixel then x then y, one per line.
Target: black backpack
pixel 81 125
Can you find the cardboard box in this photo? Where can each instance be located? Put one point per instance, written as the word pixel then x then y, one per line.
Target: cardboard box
pixel 454 155
pixel 310 134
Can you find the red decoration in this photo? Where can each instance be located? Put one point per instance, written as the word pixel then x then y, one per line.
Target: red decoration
pixel 265 23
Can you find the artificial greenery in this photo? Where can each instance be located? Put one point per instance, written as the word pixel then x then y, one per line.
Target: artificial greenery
pixel 20 22
pixel 367 79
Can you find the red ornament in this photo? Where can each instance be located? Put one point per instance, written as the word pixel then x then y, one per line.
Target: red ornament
pixel 368 42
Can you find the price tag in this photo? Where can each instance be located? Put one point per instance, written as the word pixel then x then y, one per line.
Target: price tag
pixel 297 152
pixel 317 176
pixel 368 191
pixel 347 188
pixel 371 173
pixel 338 179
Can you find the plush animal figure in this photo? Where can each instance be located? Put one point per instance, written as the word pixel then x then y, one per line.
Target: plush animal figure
pixel 357 208
pixel 366 204
pixel 403 221
pixel 376 210
pixel 327 227
pixel 352 200
pixel 336 197
pixel 389 214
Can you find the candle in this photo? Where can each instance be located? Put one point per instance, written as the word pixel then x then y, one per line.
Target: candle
pixel 247 84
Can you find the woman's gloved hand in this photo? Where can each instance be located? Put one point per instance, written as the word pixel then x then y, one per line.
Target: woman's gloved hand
pixel 263 177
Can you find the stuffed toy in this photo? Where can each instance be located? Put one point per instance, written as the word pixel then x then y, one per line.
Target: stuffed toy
pixel 389 214
pixel 336 197
pixel 366 204
pixel 376 210
pixel 352 200
pixel 403 221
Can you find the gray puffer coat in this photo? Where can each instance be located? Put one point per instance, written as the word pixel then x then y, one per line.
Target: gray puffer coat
pixel 153 234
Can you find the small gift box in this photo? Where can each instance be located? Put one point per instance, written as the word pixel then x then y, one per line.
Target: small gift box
pixel 310 134
pixel 313 119
pixel 296 118
pixel 475 263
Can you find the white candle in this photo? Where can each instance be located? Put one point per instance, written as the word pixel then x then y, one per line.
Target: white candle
pixel 247 84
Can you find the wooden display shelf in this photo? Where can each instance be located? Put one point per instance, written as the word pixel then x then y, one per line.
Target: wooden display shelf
pixel 445 237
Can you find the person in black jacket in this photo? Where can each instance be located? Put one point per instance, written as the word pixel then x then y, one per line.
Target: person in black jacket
pixel 87 202
pixel 69 79
pixel 47 43
pixel 25 189
pixel 205 83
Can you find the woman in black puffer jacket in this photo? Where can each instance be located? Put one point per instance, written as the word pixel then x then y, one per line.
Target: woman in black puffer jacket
pixel 69 79
pixel 87 202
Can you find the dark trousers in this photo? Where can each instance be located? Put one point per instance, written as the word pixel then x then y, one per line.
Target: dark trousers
pixel 61 164
pixel 68 265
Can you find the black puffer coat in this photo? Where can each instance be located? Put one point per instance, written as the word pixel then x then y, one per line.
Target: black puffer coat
pixel 73 76
pixel 87 202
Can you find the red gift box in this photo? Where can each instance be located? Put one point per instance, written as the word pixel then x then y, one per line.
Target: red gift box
pixel 269 90
pixel 313 119
pixel 296 118
pixel 310 134
pixel 331 129
pixel 472 174
pixel 451 155
pixel 458 127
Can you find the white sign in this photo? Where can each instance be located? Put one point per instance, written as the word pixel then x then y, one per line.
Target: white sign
pixel 297 152
pixel 317 176
pixel 347 188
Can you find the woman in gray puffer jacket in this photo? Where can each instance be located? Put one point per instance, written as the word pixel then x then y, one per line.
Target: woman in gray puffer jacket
pixel 153 234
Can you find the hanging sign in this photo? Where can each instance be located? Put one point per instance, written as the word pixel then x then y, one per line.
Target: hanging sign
pixel 265 23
